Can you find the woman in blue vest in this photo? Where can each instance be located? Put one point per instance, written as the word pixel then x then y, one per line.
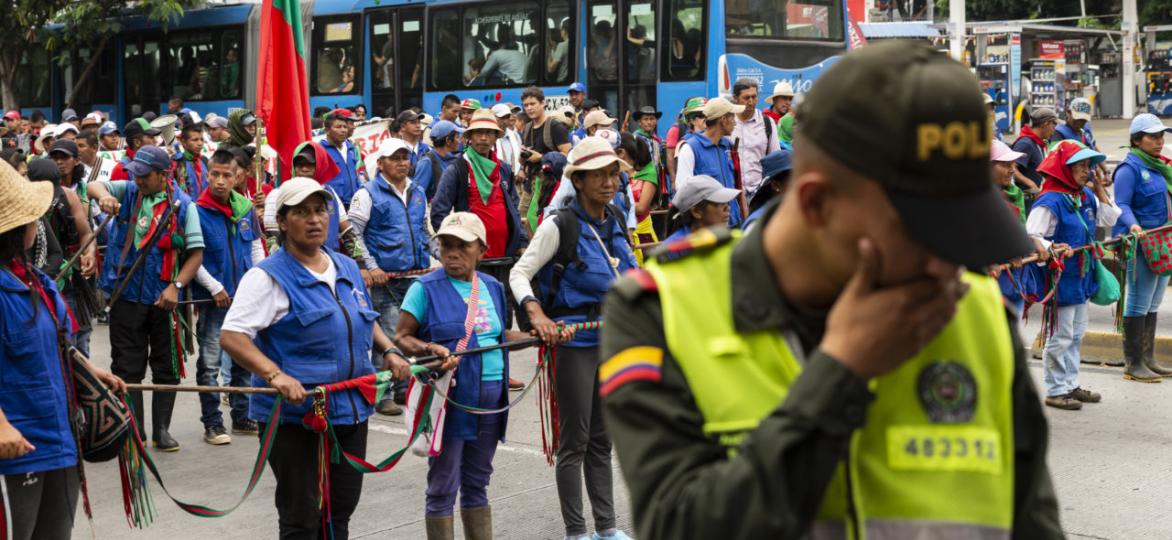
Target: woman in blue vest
pixel 1065 215
pixel 438 315
pixel 1142 182
pixel 573 280
pixel 699 204
pixel 300 319
pixel 38 453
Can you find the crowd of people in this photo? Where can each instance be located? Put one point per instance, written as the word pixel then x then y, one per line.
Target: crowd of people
pixel 480 226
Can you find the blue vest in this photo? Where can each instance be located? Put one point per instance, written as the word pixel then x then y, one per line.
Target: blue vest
pixel 1074 229
pixel 325 338
pixel 446 311
pixel 196 181
pixel 396 234
pixel 227 252
pixel 145 286
pixel 333 242
pixel 1065 132
pixel 346 183
pixel 1148 200
pixel 585 282
pixel 32 385
pixel 713 160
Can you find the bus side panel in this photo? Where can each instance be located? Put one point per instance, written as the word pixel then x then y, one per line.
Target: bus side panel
pixel 671 97
pixel 555 97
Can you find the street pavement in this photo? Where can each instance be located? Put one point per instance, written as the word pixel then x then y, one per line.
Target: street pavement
pixel 1107 461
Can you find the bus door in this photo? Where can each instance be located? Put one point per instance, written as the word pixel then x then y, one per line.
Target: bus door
pixel 621 55
pixel 143 65
pixel 396 60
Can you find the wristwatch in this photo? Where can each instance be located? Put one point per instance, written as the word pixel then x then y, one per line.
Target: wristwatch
pixel 178 285
pixel 392 350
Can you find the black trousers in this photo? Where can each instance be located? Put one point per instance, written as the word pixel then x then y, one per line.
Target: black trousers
pixel 40 505
pixel 140 335
pixel 293 461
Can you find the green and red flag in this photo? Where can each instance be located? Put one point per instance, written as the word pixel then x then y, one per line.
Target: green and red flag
pixel 282 90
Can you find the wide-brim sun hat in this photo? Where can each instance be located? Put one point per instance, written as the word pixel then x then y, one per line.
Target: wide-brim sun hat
pixel 781 89
pixel 1086 154
pixel 592 153
pixel 483 119
pixel 21 201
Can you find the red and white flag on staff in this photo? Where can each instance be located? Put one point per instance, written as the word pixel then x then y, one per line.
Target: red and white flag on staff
pixel 282 90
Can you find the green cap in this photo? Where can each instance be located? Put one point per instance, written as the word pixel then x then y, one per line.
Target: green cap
pixel 913 119
pixel 694 104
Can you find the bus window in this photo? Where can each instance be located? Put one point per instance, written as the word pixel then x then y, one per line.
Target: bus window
pixel 784 19
pixel 232 47
pixel 411 50
pixel 559 31
pixel 640 46
pixel 335 64
pixel 382 50
pixel 99 86
pixel 684 25
pixel 502 46
pixel 33 91
pixel 445 50
pixel 602 57
pixel 194 60
pixel 143 83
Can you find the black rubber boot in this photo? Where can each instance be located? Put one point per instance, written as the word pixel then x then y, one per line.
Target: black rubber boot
pixel 135 399
pixel 1134 335
pixel 1150 347
pixel 162 403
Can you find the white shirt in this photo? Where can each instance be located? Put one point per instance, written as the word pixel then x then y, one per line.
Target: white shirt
pixel 1042 222
pixel 685 163
pixel 542 247
pixel 753 146
pixel 214 287
pixel 566 193
pixel 260 301
pixel 359 215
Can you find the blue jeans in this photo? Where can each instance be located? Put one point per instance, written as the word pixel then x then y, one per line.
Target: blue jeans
pixel 466 466
pixel 387 299
pixel 207 369
pixel 1061 354
pixel 1145 290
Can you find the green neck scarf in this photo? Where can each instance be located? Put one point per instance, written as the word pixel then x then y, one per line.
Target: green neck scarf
pixel 482 168
pixel 1155 163
pixel 535 203
pixel 648 173
pixel 1017 197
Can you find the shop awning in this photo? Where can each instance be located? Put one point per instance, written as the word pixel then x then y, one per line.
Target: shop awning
pixel 895 30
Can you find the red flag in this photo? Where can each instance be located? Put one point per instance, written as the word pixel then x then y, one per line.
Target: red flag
pixel 282 90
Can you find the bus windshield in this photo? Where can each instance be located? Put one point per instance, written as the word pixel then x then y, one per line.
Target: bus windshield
pixel 817 20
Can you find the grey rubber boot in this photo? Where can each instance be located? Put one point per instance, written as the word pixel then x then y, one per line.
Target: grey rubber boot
pixel 477 523
pixel 1134 335
pixel 1150 347
pixel 440 528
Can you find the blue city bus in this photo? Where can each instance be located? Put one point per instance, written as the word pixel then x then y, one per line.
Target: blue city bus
pixel 393 54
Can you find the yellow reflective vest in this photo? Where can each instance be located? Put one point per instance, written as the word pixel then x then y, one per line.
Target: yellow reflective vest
pixel 935 456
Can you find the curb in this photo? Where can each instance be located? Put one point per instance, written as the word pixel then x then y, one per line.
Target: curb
pixel 1104 347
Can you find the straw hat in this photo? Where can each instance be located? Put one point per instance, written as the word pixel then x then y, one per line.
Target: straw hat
pixel 781 89
pixel 483 119
pixel 21 201
pixel 591 154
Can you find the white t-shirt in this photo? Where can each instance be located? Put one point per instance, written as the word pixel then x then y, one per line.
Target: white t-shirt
pixel 260 302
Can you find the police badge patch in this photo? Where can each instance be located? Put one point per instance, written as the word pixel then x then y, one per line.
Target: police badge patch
pixel 948 392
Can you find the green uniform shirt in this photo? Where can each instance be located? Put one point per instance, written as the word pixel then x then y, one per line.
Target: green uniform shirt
pixel 682 483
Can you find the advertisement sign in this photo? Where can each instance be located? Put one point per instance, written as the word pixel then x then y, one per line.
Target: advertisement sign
pixel 1051 49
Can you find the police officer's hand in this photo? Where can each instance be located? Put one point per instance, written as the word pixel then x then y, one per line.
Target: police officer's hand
pixel 109 204
pixel 290 389
pixel 222 299
pixel 12 443
pixel 873 330
pixel 168 299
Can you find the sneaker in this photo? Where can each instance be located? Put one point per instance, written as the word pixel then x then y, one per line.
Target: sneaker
pixel 216 435
pixel 617 535
pixel 388 407
pixel 1065 402
pixel 1086 396
pixel 514 384
pixel 245 427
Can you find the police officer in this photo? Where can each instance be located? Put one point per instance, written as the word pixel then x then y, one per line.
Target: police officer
pixel 850 381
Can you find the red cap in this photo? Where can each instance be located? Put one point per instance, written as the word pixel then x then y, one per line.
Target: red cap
pixel 12 115
pixel 345 114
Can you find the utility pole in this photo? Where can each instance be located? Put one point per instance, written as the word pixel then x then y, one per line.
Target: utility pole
pixel 1130 28
pixel 956 26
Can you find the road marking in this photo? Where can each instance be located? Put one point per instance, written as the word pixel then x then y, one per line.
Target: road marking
pixel 505 447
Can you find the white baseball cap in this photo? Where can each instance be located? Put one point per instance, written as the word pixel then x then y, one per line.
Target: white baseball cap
pixel 702 188
pixel 389 146
pixel 501 110
pixel 294 191
pixel 718 107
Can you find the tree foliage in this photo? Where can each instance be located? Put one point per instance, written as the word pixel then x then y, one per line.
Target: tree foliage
pixel 60 25
pixel 1151 12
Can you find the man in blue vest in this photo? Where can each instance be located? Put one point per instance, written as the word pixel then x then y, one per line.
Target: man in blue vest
pixel 191 166
pixel 445 136
pixel 709 153
pixel 390 215
pixel 339 126
pixel 231 234
pixel 142 320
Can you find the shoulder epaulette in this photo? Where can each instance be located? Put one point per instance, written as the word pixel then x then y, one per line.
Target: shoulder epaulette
pixel 634 283
pixel 698 242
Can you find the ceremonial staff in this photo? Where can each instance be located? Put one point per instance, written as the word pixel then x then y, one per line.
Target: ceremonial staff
pixel 1070 251
pixel 76 256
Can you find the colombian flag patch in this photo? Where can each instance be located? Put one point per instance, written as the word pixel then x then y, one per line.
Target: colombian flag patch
pixel 634 364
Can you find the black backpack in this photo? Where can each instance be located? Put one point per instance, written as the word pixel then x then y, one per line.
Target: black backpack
pixel 569 229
